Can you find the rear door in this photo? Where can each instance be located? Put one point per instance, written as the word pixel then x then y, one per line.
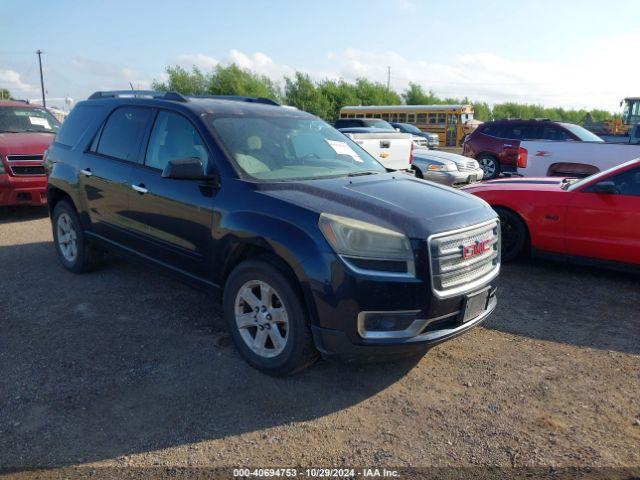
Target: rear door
pixel 607 226
pixel 172 218
pixel 106 167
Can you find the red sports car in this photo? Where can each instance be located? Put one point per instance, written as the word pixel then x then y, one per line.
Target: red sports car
pixel 594 220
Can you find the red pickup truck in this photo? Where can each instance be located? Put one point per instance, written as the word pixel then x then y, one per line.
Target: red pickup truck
pixel 25 133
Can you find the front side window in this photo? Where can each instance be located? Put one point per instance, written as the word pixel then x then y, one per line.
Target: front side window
pixel 627 183
pixel 27 119
pixel 173 138
pixel 289 148
pixel 123 133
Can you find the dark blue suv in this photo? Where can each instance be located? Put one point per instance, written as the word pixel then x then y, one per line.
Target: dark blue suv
pixel 314 245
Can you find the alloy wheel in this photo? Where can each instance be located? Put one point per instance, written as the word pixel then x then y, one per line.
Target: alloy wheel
pixel 488 165
pixel 67 237
pixel 261 318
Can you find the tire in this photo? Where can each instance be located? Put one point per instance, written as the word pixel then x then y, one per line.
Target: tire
pixel 74 251
pixel 514 234
pixel 276 339
pixel 418 172
pixel 490 166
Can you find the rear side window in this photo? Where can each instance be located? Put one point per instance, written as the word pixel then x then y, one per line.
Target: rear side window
pixel 122 134
pixel 554 133
pixel 493 130
pixel 76 124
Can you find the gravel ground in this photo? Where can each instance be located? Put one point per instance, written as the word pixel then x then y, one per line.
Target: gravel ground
pixel 125 367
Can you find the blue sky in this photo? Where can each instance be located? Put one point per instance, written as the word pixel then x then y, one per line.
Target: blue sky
pixel 566 53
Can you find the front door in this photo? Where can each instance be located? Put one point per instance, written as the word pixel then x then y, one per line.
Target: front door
pixel 606 226
pixel 105 170
pixel 171 217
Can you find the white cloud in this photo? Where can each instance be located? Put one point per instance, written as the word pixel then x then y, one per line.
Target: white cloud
pixel 479 76
pixel 200 60
pixel 598 78
pixel 257 62
pixel 11 80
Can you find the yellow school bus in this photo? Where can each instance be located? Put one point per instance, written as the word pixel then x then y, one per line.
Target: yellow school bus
pixel 447 121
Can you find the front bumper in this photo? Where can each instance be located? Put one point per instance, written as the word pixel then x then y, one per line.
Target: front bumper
pixel 336 343
pixel 453 178
pixel 337 296
pixel 27 190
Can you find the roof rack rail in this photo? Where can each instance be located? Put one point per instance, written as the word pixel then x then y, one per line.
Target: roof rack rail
pixel 240 98
pixel 140 93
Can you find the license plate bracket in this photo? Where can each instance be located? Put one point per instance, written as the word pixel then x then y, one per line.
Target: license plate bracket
pixel 474 305
pixel 472 178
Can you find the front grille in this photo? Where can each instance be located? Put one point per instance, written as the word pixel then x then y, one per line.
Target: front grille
pixel 451 272
pixel 420 142
pixel 467 167
pixel 23 170
pixel 24 158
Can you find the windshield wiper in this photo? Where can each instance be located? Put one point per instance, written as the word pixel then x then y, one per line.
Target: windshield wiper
pixel 362 172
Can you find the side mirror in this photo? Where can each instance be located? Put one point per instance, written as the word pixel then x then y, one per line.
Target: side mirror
pixel 190 168
pixel 606 186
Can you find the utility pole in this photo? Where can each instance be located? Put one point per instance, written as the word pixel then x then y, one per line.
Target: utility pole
pixel 388 77
pixel 44 102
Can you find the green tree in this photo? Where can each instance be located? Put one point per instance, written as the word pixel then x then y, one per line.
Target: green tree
pixel 229 80
pixel 182 81
pixel 301 92
pixel 372 93
pixel 5 94
pixel 233 80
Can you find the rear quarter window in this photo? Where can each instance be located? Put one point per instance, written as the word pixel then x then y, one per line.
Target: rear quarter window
pixel 76 124
pixel 493 130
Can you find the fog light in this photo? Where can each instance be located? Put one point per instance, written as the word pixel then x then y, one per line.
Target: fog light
pixel 399 324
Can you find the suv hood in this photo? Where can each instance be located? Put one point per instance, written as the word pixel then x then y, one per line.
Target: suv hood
pixel 393 200
pixel 34 143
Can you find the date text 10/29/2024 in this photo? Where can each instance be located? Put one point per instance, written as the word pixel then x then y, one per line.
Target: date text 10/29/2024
pixel 315 473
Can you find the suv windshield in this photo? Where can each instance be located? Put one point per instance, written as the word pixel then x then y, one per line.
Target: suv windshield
pixel 18 120
pixel 378 124
pixel 288 148
pixel 409 128
pixel 582 133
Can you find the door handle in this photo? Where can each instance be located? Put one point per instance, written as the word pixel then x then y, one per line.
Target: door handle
pixel 140 188
pixel 86 172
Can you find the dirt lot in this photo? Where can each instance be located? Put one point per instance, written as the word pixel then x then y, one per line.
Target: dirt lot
pixel 124 367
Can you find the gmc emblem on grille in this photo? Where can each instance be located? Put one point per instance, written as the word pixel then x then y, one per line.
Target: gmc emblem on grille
pixel 474 249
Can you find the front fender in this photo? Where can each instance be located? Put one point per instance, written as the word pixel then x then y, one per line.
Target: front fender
pixel 297 244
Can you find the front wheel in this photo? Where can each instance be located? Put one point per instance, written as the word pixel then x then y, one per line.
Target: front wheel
pixel 267 320
pixel 514 234
pixel 490 166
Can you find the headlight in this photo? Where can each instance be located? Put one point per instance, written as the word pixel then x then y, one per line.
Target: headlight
pixel 447 167
pixel 361 239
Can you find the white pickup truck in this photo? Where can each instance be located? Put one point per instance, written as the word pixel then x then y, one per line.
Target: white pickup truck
pixel 391 149
pixel 577 159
